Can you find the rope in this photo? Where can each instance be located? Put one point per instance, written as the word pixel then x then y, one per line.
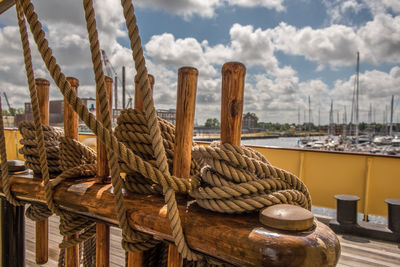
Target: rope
pixel 133 132
pixel 31 151
pixel 161 175
pixel 239 179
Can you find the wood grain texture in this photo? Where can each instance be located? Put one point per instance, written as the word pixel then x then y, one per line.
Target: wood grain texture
pixel 138 95
pixel 71 130
pixel 103 176
pixel 135 259
pixel 185 108
pixel 71 119
pixel 42 227
pixel 237 239
pixel 233 74
pixel 102 245
pixel 103 170
pixel 42 88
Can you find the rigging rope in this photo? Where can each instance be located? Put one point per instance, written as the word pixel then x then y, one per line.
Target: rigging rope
pixel 237 182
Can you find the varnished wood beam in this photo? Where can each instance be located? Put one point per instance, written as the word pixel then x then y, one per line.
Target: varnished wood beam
pixel 103 176
pixel 185 108
pixel 71 122
pixel 237 239
pixel 233 74
pixel 42 227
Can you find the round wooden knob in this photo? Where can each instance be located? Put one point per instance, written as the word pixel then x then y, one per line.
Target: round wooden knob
pixel 287 217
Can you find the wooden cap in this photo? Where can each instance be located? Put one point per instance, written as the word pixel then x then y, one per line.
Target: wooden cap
pixel 287 217
pixel 41 81
pixel 74 82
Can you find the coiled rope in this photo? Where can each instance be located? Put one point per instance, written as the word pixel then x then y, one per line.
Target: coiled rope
pixel 133 132
pixel 238 179
pixel 30 147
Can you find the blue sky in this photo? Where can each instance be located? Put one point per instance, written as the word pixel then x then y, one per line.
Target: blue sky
pixel 292 50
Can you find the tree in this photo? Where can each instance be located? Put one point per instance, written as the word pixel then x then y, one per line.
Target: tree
pixel 212 123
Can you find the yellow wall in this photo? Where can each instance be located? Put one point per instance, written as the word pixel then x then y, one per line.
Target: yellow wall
pixel 373 178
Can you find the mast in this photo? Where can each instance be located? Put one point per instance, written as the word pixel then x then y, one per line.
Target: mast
pixel 309 113
pixel 298 115
pixel 123 87
pixel 319 116
pixel 357 94
pixel 344 121
pixel 331 119
pixel 391 116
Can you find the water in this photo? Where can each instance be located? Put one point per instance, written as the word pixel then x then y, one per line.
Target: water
pixel 287 142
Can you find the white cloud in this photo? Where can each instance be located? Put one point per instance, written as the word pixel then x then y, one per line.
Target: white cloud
pixel 270 4
pixel 382 38
pixel 335 45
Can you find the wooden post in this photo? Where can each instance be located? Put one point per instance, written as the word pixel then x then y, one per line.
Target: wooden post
pixel 42 227
pixel 71 130
pixel 103 170
pixel 12 234
pixel 135 259
pixel 185 107
pixel 233 74
pixel 103 176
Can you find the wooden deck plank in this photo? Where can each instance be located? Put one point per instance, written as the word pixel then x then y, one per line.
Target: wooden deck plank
pixel 355 251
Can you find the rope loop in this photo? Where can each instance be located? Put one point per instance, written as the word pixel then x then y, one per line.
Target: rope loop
pixel 238 179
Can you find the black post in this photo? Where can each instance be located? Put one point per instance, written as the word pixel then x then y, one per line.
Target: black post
pixel 13 234
pixel 346 211
pixel 393 214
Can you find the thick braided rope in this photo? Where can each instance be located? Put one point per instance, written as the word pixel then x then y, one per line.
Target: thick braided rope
pixel 73 153
pixel 5 178
pixel 135 239
pixel 152 122
pixel 102 133
pixel 132 130
pixel 71 220
pixel 33 94
pixel 238 179
pixel 31 151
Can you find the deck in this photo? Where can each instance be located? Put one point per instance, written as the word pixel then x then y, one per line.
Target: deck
pixel 356 251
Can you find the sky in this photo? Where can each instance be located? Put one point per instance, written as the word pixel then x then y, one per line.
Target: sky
pixel 292 50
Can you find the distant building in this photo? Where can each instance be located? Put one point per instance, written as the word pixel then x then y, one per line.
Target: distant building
pixel 168 115
pixel 56 111
pixel 249 121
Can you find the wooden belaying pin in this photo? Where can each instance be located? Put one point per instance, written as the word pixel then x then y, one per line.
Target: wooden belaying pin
pixel 103 170
pixel 103 176
pixel 233 75
pixel 135 259
pixel 42 227
pixel 71 130
pixel 185 109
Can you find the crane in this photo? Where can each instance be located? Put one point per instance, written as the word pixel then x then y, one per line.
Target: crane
pixel 112 73
pixel 10 109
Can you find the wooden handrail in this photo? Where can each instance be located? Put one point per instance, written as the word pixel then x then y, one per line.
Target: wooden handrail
pixel 237 239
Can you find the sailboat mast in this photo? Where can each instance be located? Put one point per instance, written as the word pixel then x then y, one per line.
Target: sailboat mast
pixel 357 94
pixel 309 113
pixel 391 116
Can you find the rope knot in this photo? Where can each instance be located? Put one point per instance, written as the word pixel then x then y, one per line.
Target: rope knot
pixel 239 179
